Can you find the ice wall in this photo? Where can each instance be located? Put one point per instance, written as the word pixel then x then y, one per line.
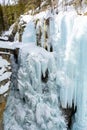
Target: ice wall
pixel 33 101
pixel 29 34
pixel 69 42
pixel 72 43
pixel 79 55
pixel 50 79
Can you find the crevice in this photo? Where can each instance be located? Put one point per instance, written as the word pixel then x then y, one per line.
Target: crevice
pixel 45 78
pixel 16 52
pixel 24 100
pixel 51 49
pixel 69 113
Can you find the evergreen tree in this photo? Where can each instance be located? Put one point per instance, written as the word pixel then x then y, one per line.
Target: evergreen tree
pixel 1 20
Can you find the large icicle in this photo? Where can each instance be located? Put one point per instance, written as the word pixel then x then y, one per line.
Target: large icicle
pixel 62 31
pixel 29 33
pixel 75 71
pixel 81 41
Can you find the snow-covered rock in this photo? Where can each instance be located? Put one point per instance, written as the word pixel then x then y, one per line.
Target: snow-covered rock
pixel 4 72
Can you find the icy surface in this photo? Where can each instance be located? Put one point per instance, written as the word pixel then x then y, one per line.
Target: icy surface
pixel 72 40
pixel 29 33
pixel 34 96
pixel 47 80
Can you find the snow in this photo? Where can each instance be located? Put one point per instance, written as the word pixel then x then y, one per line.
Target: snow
pixel 5 88
pixel 25 18
pixel 41 15
pixel 9 45
pixel 3 62
pixel 4 38
pixel 8 2
pixel 9 32
pixel 4 75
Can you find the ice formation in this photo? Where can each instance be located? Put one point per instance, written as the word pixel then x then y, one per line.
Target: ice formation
pixel 29 33
pixel 74 67
pixel 33 100
pixel 48 80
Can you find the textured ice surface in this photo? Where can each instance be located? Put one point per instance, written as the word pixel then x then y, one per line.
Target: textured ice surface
pixel 72 40
pixel 29 33
pixel 46 80
pixel 33 100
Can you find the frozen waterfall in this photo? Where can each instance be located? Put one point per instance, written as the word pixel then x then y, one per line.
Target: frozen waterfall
pixel 33 103
pixel 73 41
pixel 48 80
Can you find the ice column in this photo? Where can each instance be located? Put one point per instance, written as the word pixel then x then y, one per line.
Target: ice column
pixel 81 115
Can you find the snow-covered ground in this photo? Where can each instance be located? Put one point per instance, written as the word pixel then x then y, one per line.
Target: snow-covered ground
pixel 4 88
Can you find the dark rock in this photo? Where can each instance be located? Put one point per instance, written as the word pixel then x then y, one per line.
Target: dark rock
pixel 69 113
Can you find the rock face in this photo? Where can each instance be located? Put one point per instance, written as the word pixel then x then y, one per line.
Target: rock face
pixel 5 77
pixel 5 73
